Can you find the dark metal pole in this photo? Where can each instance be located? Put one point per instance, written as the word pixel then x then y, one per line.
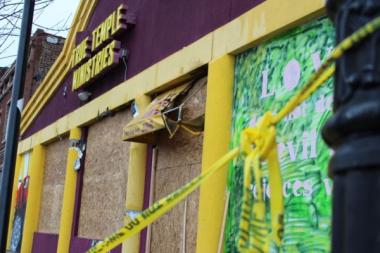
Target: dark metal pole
pixel 354 132
pixel 13 124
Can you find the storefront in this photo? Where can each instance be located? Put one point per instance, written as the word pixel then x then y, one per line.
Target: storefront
pixel 145 96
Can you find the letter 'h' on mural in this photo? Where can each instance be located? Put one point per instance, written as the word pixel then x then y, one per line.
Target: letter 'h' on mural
pixel 258 144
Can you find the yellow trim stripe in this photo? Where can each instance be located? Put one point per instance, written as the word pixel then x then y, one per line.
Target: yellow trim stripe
pixel 32 213
pixel 216 143
pixel 247 30
pixel 136 181
pixel 68 202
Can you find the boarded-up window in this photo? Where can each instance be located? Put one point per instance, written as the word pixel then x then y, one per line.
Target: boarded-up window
pixel 105 178
pixel 178 161
pixel 53 186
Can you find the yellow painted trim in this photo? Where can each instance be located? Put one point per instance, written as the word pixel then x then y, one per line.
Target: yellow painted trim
pixel 19 162
pixel 136 180
pixel 261 22
pixel 217 135
pixel 67 214
pixel 32 213
pixel 60 68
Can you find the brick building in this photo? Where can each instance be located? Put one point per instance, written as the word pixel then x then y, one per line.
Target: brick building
pixel 44 49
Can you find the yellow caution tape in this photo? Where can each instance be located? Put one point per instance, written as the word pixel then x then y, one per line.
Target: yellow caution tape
pixel 258 144
pixel 160 207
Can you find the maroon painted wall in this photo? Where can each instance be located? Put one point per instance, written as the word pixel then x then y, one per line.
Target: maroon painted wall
pixel 163 27
pixel 81 245
pixel 46 243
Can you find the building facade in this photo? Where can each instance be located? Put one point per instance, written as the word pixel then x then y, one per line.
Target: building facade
pixel 145 96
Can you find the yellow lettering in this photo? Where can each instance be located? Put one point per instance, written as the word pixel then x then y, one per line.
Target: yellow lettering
pixel 75 78
pixel 120 16
pixel 100 59
pixel 83 49
pixel 88 71
pixel 113 23
pixel 105 26
pixel 111 53
pixel 98 37
pixel 72 59
pixel 103 32
pixel 94 32
pixel 94 66
pixel 80 76
pixel 100 62
pixel 104 58
pixel 84 74
pixel 77 84
pixel 77 55
pixel 108 25
pixel 80 52
pixel 91 63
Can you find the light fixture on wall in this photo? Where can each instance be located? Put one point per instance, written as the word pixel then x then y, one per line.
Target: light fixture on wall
pixel 134 109
pixel 84 96
pixel 124 54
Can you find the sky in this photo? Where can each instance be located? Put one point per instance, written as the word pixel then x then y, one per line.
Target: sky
pixel 58 14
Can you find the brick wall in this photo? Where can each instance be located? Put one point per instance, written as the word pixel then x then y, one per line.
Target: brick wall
pixel 44 50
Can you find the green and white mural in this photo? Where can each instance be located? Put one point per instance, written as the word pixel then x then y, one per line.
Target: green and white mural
pixel 266 77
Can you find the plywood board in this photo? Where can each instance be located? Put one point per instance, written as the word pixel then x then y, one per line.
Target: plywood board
pixel 178 161
pixel 192 213
pixel 53 186
pixel 195 102
pixel 105 178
